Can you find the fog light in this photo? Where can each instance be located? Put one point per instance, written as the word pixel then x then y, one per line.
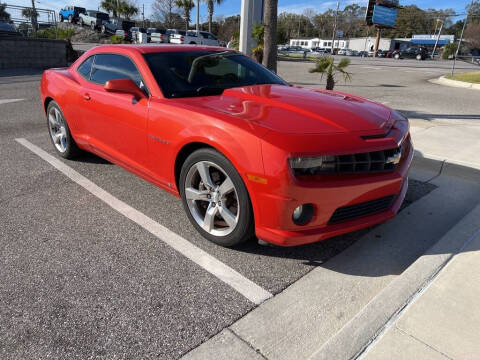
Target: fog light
pixel 302 214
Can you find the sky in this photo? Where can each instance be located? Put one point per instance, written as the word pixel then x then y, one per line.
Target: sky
pixel 232 7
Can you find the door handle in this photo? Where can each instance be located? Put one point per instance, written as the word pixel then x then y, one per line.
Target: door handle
pixel 86 97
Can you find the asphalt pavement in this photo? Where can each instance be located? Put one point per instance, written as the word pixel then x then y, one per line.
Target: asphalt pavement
pixel 80 279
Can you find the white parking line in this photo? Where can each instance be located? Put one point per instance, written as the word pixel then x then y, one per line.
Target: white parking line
pixel 244 286
pixel 6 101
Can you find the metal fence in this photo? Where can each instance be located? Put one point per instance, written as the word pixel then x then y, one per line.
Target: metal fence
pixel 20 16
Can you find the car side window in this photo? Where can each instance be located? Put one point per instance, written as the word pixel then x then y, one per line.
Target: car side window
pixel 112 67
pixel 86 67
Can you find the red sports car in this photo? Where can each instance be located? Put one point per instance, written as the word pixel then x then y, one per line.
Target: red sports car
pixel 247 153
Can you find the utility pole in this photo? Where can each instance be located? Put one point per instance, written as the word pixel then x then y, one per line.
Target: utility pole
pixel 198 19
pixel 34 17
pixel 460 41
pixel 143 14
pixel 335 27
pixel 438 39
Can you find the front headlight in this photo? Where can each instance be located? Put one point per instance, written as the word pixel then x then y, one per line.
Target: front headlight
pixel 312 165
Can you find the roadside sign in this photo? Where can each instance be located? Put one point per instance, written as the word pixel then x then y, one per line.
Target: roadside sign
pixel 384 16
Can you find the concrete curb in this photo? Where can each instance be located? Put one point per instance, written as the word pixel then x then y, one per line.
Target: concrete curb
pixel 369 323
pixel 454 83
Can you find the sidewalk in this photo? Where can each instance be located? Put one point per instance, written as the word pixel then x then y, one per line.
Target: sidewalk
pixel 443 320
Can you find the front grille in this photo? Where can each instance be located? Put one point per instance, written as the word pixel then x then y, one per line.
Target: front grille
pixel 366 162
pixel 363 209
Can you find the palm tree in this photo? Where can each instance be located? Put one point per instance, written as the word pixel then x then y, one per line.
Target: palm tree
pixel 32 14
pixel 211 6
pixel 127 9
pixel 270 37
pixel 326 66
pixel 187 6
pixel 110 6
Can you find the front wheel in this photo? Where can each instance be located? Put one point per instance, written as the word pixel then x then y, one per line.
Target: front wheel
pixel 397 56
pixel 61 18
pixel 70 18
pixel 80 22
pixel 104 29
pixel 215 198
pixel 419 57
pixel 59 131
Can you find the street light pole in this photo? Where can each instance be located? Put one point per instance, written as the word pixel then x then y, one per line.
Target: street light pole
pixel 461 38
pixel 335 27
pixel 438 38
pixel 198 19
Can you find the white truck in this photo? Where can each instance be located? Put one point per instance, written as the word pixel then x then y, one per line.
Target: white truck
pixel 190 37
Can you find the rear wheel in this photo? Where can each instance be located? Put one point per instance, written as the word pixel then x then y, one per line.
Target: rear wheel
pixel 92 26
pixel 104 29
pixel 215 198
pixel 60 17
pixel 59 131
pixel 397 56
pixel 419 57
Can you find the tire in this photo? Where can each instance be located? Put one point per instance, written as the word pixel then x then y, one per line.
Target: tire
pixel 192 43
pixel 103 29
pixel 396 56
pixel 60 17
pixel 230 210
pixel 419 57
pixel 80 22
pixel 92 26
pixel 59 132
pixel 70 19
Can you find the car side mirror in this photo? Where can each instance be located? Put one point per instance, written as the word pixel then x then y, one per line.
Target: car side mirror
pixel 126 86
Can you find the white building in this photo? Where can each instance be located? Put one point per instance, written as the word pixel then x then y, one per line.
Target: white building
pixel 319 43
pixel 358 44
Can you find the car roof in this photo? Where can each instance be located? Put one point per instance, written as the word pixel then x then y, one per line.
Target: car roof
pixel 146 49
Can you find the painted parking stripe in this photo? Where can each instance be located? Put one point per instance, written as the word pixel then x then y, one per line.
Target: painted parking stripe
pixel 6 101
pixel 231 277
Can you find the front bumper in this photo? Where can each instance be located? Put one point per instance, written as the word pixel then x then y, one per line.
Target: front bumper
pixel 275 225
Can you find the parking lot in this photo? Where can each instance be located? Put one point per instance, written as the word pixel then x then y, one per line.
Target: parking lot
pixel 97 270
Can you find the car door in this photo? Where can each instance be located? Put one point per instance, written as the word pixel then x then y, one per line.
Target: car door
pixel 116 122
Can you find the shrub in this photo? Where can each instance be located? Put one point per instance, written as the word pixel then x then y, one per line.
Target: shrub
pixel 117 39
pixel 54 33
pixel 449 51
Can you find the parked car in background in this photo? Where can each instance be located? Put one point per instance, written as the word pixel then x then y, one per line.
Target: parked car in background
pixel 191 37
pixel 116 24
pixel 413 52
pixel 125 34
pixel 71 13
pixel 157 35
pixel 7 29
pixel 93 18
pixel 342 52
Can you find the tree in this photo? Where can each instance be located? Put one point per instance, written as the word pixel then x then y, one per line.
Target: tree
pixel 4 15
pixel 473 10
pixel 270 36
pixel 119 8
pixel 211 6
pixel 127 9
pixel 258 33
pixel 472 36
pixel 326 66
pixel 31 14
pixel 186 6
pixel 166 11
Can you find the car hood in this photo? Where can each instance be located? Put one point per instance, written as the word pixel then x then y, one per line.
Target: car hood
pixel 298 110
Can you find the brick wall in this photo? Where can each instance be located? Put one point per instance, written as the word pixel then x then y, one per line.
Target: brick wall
pixel 22 52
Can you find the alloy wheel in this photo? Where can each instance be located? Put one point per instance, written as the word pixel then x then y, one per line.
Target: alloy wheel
pixel 56 127
pixel 212 198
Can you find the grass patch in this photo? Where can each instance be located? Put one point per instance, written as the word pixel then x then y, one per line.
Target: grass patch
pixel 470 77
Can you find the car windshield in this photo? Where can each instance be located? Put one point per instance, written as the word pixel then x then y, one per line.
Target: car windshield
pixel 200 73
pixel 102 16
